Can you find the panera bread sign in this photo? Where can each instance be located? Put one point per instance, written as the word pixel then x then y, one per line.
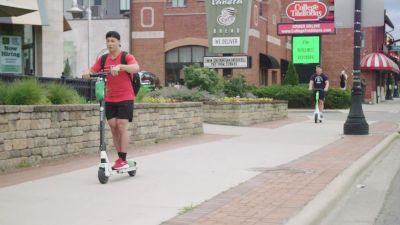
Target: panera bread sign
pixel 306 10
pixel 228 25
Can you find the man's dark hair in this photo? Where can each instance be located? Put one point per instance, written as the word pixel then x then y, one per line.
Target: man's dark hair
pixel 113 34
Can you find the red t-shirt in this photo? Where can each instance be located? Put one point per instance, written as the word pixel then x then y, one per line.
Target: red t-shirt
pixel 119 88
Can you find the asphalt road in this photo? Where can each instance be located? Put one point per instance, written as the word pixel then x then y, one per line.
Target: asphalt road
pixel 390 214
pixel 373 199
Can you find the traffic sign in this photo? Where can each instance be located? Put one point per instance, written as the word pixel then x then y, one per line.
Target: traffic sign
pixel 372 13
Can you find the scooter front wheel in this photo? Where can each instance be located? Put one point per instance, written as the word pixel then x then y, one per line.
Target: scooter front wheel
pixel 316 117
pixel 101 174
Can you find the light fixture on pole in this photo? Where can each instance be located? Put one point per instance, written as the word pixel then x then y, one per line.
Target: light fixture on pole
pixel 77 13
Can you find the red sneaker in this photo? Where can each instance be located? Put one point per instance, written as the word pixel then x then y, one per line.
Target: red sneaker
pixel 120 164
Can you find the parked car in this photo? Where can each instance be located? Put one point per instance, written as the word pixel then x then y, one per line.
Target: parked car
pixel 147 79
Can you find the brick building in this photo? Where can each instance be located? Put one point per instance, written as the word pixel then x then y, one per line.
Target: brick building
pixel 169 34
pixel 337 54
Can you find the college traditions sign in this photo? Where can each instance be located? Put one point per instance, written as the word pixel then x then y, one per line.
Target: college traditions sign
pixel 306 11
pixel 307 15
pixel 228 25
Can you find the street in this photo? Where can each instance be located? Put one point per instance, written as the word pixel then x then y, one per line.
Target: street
pixel 373 198
pixel 390 213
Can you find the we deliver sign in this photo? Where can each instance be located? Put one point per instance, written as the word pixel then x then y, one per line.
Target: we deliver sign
pixel 306 10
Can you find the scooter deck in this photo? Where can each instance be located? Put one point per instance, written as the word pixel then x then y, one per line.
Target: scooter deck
pixel 132 167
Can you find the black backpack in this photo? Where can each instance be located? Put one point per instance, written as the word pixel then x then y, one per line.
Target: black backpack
pixel 136 78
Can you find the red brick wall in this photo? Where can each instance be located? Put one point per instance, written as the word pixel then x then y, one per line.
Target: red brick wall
pixel 149 52
pixel 189 23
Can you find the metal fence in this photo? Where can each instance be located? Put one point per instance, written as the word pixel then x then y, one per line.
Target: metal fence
pixel 85 88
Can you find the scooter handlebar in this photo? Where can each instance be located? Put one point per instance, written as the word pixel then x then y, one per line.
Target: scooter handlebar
pixel 100 74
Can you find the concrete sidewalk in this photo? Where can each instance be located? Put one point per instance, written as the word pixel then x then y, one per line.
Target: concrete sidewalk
pixel 248 175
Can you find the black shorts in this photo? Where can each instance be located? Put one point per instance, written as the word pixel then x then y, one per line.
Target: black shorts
pixel 120 110
pixel 321 94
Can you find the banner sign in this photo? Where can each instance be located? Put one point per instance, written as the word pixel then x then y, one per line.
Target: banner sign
pixel 228 24
pixel 305 28
pixel 11 56
pixel 227 62
pixel 306 49
pixel 306 10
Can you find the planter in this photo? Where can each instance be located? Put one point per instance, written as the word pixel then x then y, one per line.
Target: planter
pixel 30 134
pixel 244 113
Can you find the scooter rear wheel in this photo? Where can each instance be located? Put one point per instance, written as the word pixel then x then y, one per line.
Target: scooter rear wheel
pixel 132 173
pixel 102 176
pixel 315 117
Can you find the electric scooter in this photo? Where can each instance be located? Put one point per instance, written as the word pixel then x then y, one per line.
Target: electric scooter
pixel 105 168
pixel 317 113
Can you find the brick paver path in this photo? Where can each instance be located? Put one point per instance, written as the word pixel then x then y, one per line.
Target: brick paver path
pixel 277 194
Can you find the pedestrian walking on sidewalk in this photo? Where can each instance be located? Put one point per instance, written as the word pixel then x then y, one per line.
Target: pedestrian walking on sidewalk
pixel 319 83
pixel 120 94
pixel 343 80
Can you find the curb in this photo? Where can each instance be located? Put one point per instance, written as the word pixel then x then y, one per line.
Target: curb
pixel 320 206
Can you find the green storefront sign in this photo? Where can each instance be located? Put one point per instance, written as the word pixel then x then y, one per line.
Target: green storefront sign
pixel 228 24
pixel 10 54
pixel 306 49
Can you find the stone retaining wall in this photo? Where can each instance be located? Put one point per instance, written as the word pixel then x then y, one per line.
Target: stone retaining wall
pixel 30 134
pixel 244 113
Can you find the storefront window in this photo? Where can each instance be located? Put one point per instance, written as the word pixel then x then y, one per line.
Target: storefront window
pixel 185 55
pixel 172 56
pixel 177 58
pixel 198 54
pixel 17 49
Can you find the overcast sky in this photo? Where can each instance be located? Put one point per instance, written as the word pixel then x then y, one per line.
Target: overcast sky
pixel 393 11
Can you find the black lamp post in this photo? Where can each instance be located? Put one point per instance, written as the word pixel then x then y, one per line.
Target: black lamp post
pixel 389 95
pixel 396 86
pixel 356 123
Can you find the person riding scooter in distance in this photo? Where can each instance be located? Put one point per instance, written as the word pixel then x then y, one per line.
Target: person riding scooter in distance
pixel 120 95
pixel 320 83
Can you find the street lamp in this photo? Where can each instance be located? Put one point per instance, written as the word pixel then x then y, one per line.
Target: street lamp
pixel 356 123
pixel 76 12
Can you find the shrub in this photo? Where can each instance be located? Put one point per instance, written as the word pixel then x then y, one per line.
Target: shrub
pixel 300 97
pixel 184 94
pixel 143 91
pixel 62 94
pixel 26 92
pixel 202 78
pixel 235 99
pixel 291 78
pixel 338 99
pixel 3 93
pixel 236 87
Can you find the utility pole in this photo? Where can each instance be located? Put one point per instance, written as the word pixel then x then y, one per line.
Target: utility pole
pixel 89 13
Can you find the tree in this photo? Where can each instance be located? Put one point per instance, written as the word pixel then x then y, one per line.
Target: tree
pixel 67 69
pixel 291 77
